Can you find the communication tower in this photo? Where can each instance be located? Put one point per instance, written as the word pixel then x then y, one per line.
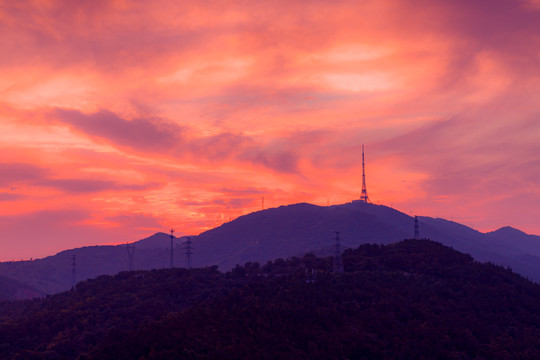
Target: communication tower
pixel 172 238
pixel 416 228
pixel 364 196
pixel 188 250
pixel 338 260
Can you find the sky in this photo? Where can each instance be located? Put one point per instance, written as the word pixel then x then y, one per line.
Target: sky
pixel 119 119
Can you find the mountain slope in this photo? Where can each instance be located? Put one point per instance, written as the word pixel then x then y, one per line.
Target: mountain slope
pixel 54 273
pixel 416 299
pixel 11 289
pixel 281 233
pixel 287 231
pixel 291 230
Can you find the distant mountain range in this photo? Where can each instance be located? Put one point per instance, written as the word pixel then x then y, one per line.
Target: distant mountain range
pixel 415 299
pixel 284 232
pixel 55 273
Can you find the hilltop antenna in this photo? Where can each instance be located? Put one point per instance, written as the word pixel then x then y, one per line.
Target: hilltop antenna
pixel 188 247
pixel 131 254
pixel 338 260
pixel 73 270
pixel 416 228
pixel 364 196
pixel 172 237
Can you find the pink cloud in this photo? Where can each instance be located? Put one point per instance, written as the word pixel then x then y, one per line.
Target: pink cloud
pixel 189 112
pixel 54 231
pixel 91 186
pixel 7 196
pixel 140 133
pixel 165 137
pixel 12 174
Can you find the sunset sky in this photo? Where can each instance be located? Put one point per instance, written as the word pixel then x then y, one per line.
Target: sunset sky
pixel 119 119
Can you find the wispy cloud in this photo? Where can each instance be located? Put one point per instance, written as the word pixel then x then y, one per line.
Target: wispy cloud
pixel 140 133
pixel 188 112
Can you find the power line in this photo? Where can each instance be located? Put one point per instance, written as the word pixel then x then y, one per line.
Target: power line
pixel 188 250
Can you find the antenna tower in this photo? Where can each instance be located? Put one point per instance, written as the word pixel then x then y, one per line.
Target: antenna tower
pixel 172 238
pixel 131 254
pixel 262 202
pixel 188 247
pixel 364 196
pixel 73 270
pixel 338 260
pixel 416 228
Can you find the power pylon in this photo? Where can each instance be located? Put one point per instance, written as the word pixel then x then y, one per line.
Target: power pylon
pixel 188 251
pixel 338 260
pixel 416 228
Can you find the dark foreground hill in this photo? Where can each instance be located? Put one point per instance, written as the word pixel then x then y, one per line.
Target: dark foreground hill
pixel 416 299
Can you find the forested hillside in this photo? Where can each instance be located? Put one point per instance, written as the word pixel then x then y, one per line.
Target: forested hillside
pixel 416 299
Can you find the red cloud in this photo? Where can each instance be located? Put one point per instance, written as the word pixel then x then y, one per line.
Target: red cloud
pixel 170 108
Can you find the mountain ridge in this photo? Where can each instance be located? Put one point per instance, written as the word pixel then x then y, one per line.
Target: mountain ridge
pixel 281 232
pixel 415 299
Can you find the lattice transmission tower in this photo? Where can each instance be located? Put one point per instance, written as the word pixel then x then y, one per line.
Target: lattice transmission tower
pixel 364 196
pixel 188 251
pixel 416 228
pixel 338 260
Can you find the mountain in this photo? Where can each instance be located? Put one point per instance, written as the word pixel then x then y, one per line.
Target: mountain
pixel 292 230
pixel 416 299
pixel 281 233
pixel 295 229
pixel 55 273
pixel 11 289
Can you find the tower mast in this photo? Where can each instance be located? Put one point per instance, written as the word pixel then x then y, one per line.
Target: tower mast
pixel 364 196
pixel 188 248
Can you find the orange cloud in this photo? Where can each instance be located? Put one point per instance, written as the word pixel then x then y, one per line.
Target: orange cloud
pixel 186 114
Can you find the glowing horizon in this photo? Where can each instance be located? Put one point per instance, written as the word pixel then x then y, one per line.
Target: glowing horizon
pixel 120 119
